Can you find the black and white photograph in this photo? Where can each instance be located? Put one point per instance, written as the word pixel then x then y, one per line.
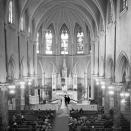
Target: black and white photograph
pixel 65 65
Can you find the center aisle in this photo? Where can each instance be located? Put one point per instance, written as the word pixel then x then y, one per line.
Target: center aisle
pixel 61 121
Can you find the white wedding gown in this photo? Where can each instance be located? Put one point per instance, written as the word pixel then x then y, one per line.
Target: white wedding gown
pixel 63 106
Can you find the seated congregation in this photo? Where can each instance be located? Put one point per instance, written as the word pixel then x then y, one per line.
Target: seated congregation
pixel 33 120
pixel 81 120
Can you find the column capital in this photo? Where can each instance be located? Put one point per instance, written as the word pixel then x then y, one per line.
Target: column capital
pixel 3 86
pixel 108 80
pixel 94 76
pixel 118 85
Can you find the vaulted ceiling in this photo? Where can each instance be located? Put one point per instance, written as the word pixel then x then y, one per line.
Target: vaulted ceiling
pixel 69 11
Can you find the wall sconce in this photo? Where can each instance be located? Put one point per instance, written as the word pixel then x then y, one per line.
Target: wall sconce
pixel 11 86
pixel 97 82
pixel 22 84
pixel 123 101
pixel 103 87
pixel 11 89
pixel 111 90
pixel 12 92
pixel 124 95
pixel 29 82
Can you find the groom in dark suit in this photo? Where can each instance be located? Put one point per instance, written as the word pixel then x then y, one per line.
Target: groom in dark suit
pixel 66 100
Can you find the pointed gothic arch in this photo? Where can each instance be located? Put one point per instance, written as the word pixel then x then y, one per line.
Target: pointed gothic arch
pixel 123 69
pixel 110 15
pixel 79 36
pixel 64 35
pixel 11 68
pixel 49 38
pixel 22 66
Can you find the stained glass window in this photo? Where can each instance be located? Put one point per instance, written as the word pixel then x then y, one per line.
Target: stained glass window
pixel 22 24
pixel 64 39
pixel 80 42
pixel 48 38
pixel 79 35
pixel 64 42
pixel 11 11
pixel 37 44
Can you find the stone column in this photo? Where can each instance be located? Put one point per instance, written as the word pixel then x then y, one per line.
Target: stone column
pixel 22 92
pixel 74 81
pixel 43 78
pixel 4 107
pixel 92 68
pixel 116 117
pixel 92 57
pixel 100 94
pixel 86 86
pixel 130 108
pixel 18 98
pixel 27 101
pixel 53 81
pixel 92 87
pixel 35 64
pixel 96 57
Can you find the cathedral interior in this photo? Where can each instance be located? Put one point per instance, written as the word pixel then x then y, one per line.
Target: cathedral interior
pixel 53 48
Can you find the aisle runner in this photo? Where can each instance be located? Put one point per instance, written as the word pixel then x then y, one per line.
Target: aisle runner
pixel 61 122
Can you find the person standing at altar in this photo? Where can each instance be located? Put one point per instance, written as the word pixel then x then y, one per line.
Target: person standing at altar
pixel 66 100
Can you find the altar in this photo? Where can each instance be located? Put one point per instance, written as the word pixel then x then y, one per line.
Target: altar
pixel 64 83
pixel 60 93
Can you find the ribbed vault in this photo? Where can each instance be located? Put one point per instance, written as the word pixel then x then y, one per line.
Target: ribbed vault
pixel 59 11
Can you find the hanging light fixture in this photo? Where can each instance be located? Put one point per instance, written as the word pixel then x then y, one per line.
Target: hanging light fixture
pixel 124 95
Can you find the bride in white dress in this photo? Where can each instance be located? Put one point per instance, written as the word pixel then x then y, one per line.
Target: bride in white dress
pixel 63 106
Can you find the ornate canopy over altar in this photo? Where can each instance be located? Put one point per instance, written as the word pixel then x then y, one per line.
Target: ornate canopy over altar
pixel 62 83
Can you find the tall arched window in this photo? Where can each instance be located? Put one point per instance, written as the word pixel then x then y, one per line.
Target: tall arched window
pixel 49 39
pixel 123 5
pixel 79 39
pixel 37 44
pixel 64 33
pixel 11 12
pixel 21 24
